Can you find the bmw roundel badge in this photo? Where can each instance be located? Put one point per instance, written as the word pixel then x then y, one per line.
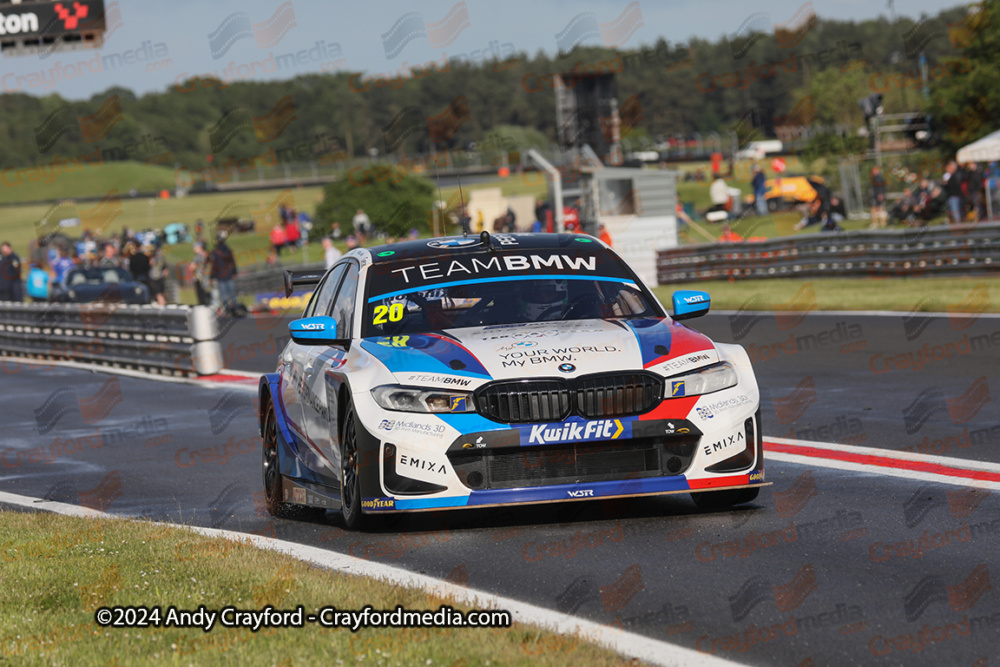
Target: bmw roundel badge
pixel 567 368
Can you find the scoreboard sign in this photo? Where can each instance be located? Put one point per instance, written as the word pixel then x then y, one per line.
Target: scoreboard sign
pixel 43 19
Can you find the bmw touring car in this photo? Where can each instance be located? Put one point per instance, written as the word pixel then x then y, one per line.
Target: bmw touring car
pixel 505 369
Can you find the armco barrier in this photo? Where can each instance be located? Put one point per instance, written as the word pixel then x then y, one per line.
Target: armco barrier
pixel 969 248
pixel 172 340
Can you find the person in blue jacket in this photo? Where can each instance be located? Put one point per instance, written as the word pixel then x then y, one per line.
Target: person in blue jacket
pixel 38 283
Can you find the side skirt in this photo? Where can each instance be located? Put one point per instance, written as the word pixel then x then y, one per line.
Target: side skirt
pixel 299 492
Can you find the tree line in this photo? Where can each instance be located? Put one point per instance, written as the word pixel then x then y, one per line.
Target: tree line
pixel 670 89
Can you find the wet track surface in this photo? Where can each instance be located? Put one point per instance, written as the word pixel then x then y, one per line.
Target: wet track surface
pixel 834 566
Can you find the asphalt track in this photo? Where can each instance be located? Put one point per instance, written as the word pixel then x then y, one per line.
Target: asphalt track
pixel 829 565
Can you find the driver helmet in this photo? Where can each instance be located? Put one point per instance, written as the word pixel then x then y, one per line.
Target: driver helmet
pixel 544 295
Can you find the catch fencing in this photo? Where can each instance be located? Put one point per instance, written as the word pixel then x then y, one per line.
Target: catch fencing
pixel 955 249
pixel 173 340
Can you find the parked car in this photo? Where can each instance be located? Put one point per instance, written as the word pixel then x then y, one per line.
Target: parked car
pixel 99 284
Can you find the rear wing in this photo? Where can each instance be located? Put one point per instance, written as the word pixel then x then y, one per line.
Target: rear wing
pixel 295 279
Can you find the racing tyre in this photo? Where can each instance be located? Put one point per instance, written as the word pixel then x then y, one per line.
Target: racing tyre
pixel 717 500
pixel 273 491
pixel 350 483
pixel 276 505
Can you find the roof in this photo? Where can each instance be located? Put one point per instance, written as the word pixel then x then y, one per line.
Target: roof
pixel 471 244
pixel 986 149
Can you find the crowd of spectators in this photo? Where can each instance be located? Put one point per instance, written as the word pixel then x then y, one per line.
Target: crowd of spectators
pixel 960 194
pixel 140 253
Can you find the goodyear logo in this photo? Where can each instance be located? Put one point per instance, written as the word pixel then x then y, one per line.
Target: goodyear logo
pixel 578 431
pixel 458 403
pixel 677 388
pixel 378 503
pixel 757 476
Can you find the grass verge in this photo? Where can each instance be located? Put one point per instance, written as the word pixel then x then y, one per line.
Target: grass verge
pixel 58 570
pixel 30 184
pixel 932 294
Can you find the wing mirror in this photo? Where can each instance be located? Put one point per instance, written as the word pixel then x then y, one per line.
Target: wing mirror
pixel 316 331
pixel 690 303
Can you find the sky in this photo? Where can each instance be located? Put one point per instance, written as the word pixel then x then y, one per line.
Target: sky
pixel 158 44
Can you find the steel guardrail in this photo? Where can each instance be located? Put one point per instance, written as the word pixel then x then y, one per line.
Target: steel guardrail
pixel 967 248
pixel 170 340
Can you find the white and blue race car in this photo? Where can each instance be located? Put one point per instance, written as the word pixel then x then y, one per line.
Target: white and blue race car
pixel 501 370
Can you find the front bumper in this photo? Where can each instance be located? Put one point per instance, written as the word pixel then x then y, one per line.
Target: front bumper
pixel 434 450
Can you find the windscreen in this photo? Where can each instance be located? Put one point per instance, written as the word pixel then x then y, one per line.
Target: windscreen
pixel 442 292
pixel 98 276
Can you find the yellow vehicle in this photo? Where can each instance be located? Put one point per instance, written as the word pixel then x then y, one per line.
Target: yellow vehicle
pixel 786 192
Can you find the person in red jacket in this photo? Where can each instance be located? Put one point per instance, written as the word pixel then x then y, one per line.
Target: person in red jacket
pixel 605 236
pixel 278 239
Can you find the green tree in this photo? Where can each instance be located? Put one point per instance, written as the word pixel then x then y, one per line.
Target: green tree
pixel 395 200
pixel 966 100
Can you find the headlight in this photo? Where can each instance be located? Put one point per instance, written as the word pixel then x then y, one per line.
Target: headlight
pixel 708 380
pixel 415 399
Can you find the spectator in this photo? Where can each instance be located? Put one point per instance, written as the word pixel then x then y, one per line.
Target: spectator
pixel 86 247
pixel 330 252
pixel 542 210
pixel 819 208
pixel 605 236
pixel 571 218
pixel 128 249
pixel 351 241
pixel 362 226
pixel 837 208
pixel 223 271
pixel 110 258
pixel 536 226
pixel 729 236
pixel 335 232
pixel 292 232
pixel 278 239
pixel 38 283
pixel 464 221
pixel 11 288
pixel 158 271
pixel 903 210
pixel 138 264
pixel 682 216
pixel 759 190
pixel 199 274
pixel 933 206
pixel 878 198
pixel 953 190
pixel 61 265
pixel 718 192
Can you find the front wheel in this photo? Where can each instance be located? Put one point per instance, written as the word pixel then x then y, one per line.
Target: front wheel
pixel 717 500
pixel 350 483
